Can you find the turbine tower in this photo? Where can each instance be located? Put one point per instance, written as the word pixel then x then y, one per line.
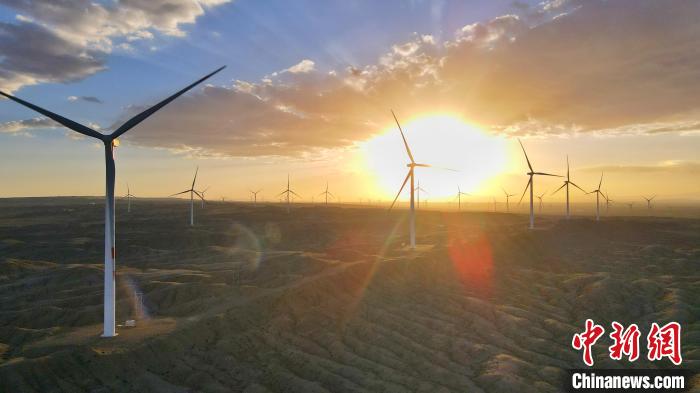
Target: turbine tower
pixel 459 198
pixel 327 193
pixel 649 201
pixel 418 190
pixel 566 184
pixel 531 185
pixel 192 192
pixel 507 199
pixel 255 196
pixel 411 167
pixel 128 197
pixel 110 142
pixel 288 192
pixel 598 193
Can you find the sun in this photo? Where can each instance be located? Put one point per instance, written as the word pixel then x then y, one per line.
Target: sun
pixel 441 140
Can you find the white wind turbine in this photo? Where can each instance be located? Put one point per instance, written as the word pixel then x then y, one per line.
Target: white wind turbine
pixel 128 197
pixel 110 141
pixel 288 192
pixel 459 198
pixel 566 184
pixel 507 199
pixel 598 193
pixel 411 167
pixel 531 185
pixel 192 192
pixel 326 194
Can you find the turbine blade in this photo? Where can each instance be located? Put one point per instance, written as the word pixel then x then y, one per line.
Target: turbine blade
pixel 525 190
pixel 131 123
pixel 195 176
pixel 574 184
pixel 557 190
pixel 294 193
pixel 401 189
pixel 184 192
pixel 527 159
pixel 601 180
pixel 408 149
pixel 77 127
pixel 331 194
pixel 198 194
pixel 567 167
pixel 547 174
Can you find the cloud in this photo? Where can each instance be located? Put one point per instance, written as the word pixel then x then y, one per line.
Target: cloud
pixel 303 66
pixel 91 99
pixel 608 67
pixel 70 39
pixel 22 126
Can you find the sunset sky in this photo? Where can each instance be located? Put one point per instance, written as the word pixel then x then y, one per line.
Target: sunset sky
pixel 309 86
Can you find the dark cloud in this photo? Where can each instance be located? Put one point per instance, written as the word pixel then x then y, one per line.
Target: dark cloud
pixel 67 40
pixel 31 53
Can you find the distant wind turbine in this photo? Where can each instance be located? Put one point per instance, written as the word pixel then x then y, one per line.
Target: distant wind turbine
pixel 411 168
pixel 598 193
pixel 608 202
pixel 201 195
pixel 128 197
pixel 494 204
pixel 418 190
pixel 649 201
pixel 531 185
pixel 459 198
pixel 192 192
pixel 288 192
pixel 326 194
pixel 255 196
pixel 507 199
pixel 540 198
pixel 566 184
pixel 110 141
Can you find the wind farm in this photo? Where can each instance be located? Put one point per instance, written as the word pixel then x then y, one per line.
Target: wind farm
pixel 371 267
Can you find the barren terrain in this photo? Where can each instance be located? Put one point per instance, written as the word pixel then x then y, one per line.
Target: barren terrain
pixel 328 299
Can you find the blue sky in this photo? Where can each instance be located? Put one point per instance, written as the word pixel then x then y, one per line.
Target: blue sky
pixel 621 100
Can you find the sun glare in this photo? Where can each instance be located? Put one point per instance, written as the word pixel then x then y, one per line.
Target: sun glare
pixel 443 141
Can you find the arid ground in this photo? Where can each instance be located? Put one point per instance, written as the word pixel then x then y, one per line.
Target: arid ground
pixel 323 299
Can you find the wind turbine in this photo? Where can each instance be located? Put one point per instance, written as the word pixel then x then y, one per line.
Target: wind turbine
pixel 531 185
pixel 459 198
pixel 110 141
pixel 327 193
pixel 494 204
pixel 608 202
pixel 418 190
pixel 507 199
pixel 255 196
pixel 598 193
pixel 566 184
pixel 192 192
pixel 128 197
pixel 649 201
pixel 411 167
pixel 201 195
pixel 540 198
pixel 288 192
